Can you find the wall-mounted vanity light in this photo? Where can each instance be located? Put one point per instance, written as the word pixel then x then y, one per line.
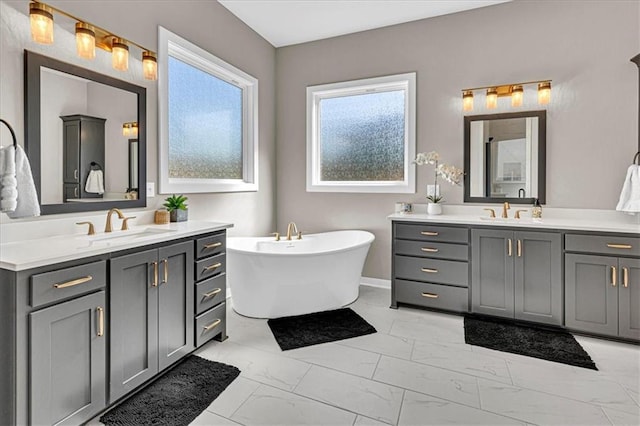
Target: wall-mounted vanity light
pixel 88 37
pixel 130 129
pixel 515 91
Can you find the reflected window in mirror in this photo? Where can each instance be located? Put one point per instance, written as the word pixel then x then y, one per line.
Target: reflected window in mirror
pixel 73 136
pixel 504 157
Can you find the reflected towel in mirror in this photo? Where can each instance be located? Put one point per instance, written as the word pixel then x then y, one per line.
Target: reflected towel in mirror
pixel 95 182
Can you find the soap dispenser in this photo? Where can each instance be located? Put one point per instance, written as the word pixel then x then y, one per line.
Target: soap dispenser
pixel 536 212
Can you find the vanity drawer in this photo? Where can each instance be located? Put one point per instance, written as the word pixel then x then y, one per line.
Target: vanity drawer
pixel 426 232
pixel 432 270
pixel 210 266
pixel 625 246
pixel 211 245
pixel 210 324
pixel 432 249
pixel 210 292
pixel 432 295
pixel 62 284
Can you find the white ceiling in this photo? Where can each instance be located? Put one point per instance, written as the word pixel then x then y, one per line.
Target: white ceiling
pixel 286 22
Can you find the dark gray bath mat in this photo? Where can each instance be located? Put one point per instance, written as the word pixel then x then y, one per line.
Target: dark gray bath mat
pixel 552 345
pixel 176 398
pixel 320 327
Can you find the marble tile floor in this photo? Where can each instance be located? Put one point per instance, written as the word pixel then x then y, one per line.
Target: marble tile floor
pixel 416 370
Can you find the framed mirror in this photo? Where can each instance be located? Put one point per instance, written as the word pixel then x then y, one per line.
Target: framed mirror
pixel 505 157
pixel 79 157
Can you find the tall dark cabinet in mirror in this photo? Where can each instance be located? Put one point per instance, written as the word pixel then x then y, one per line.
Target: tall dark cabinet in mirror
pixel 73 136
pixel 505 157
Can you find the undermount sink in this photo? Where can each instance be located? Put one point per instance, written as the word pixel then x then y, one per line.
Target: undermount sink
pixel 510 219
pixel 125 235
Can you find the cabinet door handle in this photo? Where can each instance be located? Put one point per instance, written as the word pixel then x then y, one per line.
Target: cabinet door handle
pixel 100 311
pixel 212 245
pixel 429 233
pixel 155 274
pixel 430 295
pixel 429 270
pixel 166 271
pixel 75 192
pixel 614 276
pixel 509 247
pixel 75 173
pixel 619 246
pixel 212 267
pixel 429 249
pixel 212 325
pixel 73 282
pixel 519 248
pixel 211 293
pixel 625 277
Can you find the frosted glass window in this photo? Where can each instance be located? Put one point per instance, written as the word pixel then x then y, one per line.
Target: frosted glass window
pixel 208 121
pixel 205 124
pixel 361 135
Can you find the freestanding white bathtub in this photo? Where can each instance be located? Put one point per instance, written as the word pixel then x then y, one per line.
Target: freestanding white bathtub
pixel 271 279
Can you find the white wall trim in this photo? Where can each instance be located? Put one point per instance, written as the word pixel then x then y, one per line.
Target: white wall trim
pixel 375 282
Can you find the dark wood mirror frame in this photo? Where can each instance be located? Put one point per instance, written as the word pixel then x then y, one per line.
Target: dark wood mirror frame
pixel 32 64
pixel 542 154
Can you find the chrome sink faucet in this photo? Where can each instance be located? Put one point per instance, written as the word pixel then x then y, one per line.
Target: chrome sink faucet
pixel 107 227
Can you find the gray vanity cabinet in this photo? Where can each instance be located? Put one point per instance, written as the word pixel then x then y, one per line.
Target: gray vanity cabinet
pixel 152 314
pixel 68 361
pixel 517 275
pixel 603 295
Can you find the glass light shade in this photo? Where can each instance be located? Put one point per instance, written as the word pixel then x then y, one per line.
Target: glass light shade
pixel 85 41
pixel 544 93
pixel 467 101
pixel 492 98
pixel 517 95
pixel 120 55
pixel 134 130
pixel 149 65
pixel 126 129
pixel 41 18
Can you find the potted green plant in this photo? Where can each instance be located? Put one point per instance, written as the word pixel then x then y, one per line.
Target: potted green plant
pixel 177 208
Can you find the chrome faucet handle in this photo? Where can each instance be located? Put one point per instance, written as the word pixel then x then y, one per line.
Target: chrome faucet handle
pixel 517 216
pixel 492 212
pixel 125 223
pixel 277 235
pixel 91 231
pixel 299 235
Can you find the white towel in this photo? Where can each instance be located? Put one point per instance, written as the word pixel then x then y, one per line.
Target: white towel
pixel 95 182
pixel 8 182
pixel 630 194
pixel 27 198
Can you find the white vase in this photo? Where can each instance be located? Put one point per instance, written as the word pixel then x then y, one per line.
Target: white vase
pixel 434 209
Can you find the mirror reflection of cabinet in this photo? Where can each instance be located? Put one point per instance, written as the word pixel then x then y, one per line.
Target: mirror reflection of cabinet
pixel 83 139
pixel 504 156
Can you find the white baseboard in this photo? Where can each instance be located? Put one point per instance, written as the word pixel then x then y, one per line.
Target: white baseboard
pixel 375 282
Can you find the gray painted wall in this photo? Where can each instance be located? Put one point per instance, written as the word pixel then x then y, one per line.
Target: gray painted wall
pixel 584 47
pixel 205 23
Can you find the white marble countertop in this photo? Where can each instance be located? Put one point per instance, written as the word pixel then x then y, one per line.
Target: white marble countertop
pixel 561 223
pixel 26 254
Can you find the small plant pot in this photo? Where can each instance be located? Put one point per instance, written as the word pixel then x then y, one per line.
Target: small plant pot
pixel 434 209
pixel 179 215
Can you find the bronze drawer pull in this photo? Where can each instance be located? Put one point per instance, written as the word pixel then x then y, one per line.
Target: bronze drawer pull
pixel 74 282
pixel 166 271
pixel 429 233
pixel 619 246
pixel 625 277
pixel 212 325
pixel 212 267
pixel 509 247
pixel 519 248
pixel 100 321
pixel 429 270
pixel 212 245
pixel 211 293
pixel 155 274
pixel 429 249
pixel 614 276
pixel 430 295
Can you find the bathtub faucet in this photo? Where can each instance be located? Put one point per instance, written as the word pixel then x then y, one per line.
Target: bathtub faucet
pixel 291 227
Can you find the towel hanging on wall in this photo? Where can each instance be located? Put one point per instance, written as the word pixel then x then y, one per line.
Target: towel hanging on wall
pixel 630 194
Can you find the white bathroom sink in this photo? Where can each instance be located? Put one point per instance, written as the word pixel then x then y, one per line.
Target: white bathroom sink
pixel 510 220
pixel 127 235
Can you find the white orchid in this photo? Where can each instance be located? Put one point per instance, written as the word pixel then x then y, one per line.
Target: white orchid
pixel 448 172
pixel 427 158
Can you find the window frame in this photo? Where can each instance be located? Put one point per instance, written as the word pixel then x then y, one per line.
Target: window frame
pixel 183 50
pixel 315 94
